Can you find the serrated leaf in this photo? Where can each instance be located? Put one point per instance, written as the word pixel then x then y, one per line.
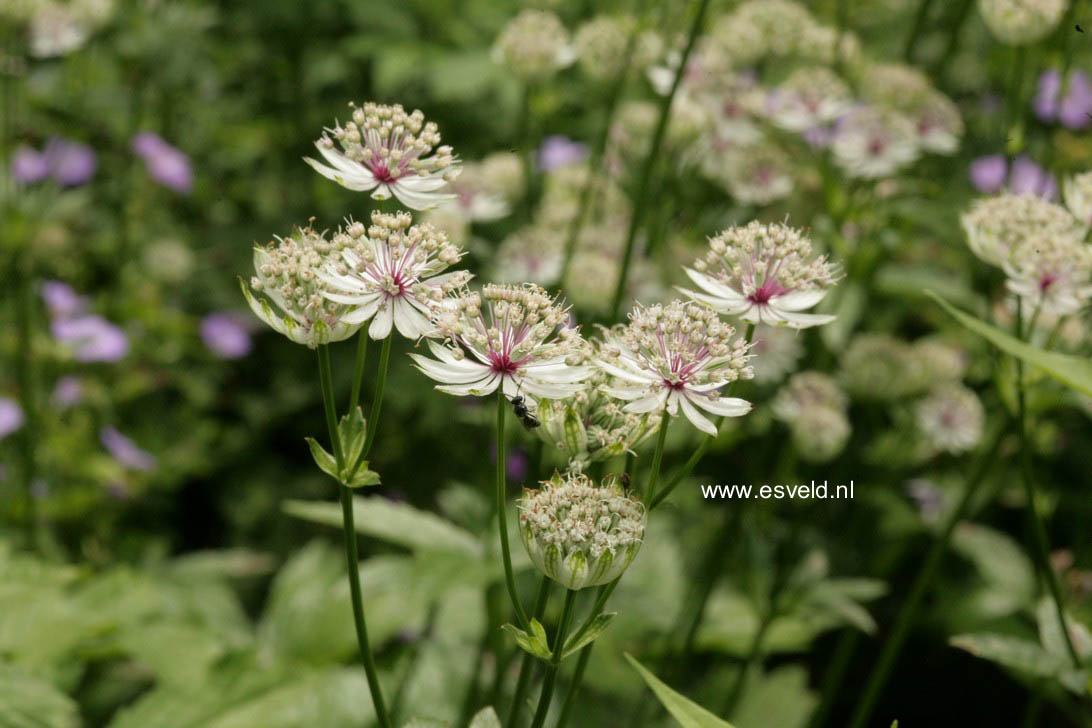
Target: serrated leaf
pixel 533 644
pixel 686 712
pixel 590 635
pixel 485 718
pixel 1073 371
pixel 328 464
pixel 323 459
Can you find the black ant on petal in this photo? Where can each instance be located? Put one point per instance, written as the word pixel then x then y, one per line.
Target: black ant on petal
pixel 519 406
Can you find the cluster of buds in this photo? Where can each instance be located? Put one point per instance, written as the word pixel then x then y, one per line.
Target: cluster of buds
pixel 814 407
pixel 1078 197
pixel 578 533
pixel 880 367
pixel 534 45
pixel 385 151
pixel 392 273
pixel 288 274
pixel 997 226
pixel 763 273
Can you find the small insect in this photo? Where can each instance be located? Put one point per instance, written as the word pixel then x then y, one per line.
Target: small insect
pixel 625 481
pixel 1079 28
pixel 519 406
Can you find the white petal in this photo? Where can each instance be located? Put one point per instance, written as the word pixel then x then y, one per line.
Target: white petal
pixel 648 403
pixel 801 320
pixel 798 300
pixel 715 287
pixel 696 418
pixel 410 322
pixel 722 305
pixel 478 389
pixel 624 393
pixel 365 312
pixel 381 324
pixel 723 406
pixel 444 372
pixel 637 377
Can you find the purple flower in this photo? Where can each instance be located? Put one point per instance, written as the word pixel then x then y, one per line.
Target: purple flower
pixel 515 465
pixel 11 417
pixel 819 136
pixel 1045 103
pixel 29 166
pixel 61 300
pixel 94 338
pixel 558 151
pixel 988 173
pixel 225 335
pixel 71 163
pixel 125 451
pixel 68 392
pixel 1072 109
pixel 166 164
pixel 1028 178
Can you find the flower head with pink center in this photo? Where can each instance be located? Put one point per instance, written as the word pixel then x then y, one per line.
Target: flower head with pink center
pixel 676 357
pixel 872 142
pixel 385 151
pixel 763 273
pixel 392 274
pixel 1054 273
pixel 512 337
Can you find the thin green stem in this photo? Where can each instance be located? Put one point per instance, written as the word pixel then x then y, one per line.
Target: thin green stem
pixel 574 684
pixel 377 405
pixel 640 202
pixel 555 661
pixel 523 131
pixel 326 382
pixel 502 519
pixel 915 33
pixel 754 654
pixel 922 582
pixel 358 370
pixel 657 458
pixel 28 387
pixel 524 679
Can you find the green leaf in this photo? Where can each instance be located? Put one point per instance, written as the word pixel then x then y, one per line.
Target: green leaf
pixel 485 718
pixel 686 712
pixel 1022 655
pixel 352 433
pixel 1073 371
pixel 534 644
pixel 323 459
pixel 778 698
pixel 27 701
pixel 1007 573
pixel 590 635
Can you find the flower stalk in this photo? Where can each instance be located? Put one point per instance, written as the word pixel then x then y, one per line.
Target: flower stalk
pixel 502 520
pixel 524 679
pixel 555 662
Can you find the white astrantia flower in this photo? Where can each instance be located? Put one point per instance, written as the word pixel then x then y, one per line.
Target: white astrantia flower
pixel 777 351
pixel 392 273
pixel 512 337
pixel 534 45
pixel 287 274
pixel 763 273
pixel 532 254
pixel 806 390
pixel 907 90
pixel 676 357
pixel 1020 22
pixel 385 151
pixel 809 97
pixel 578 533
pixel 1078 196
pixel 757 174
pixel 1052 273
pixel 951 418
pixel 872 142
pixel 997 226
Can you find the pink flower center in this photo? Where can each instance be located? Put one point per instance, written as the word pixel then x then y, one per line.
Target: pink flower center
pixel 766 291
pixel 383 174
pixel 1047 281
pixel 876 146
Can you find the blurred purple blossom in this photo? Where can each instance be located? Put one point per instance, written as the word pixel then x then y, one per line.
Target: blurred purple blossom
pixel 69 163
pixel 1028 178
pixel 11 416
pixel 68 392
pixel 225 334
pixel 988 173
pixel 558 151
pixel 94 338
pixel 515 465
pixel 165 163
pixel 1073 108
pixel 61 300
pixel 125 451
pixel 29 166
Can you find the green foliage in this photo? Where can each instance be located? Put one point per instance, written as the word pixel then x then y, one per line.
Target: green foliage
pixel 687 713
pixel 535 644
pixel 27 701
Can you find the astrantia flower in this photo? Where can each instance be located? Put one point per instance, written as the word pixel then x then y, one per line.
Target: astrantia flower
pixel 676 357
pixel 392 274
pixel 996 226
pixel 880 367
pixel 763 273
pixel 819 434
pixel 385 151
pixel 534 45
pixel 810 96
pixel 758 174
pixel 1078 197
pixel 873 142
pixel 534 254
pixel 908 91
pixel 1019 22
pixel 516 338
pixel 580 534
pixel 287 273
pixel 806 390
pixel 777 351
pixel 1052 273
pixel 600 46
pixel 951 418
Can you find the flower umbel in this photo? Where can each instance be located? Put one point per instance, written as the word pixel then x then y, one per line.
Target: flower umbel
pixel 580 534
pixel 392 273
pixel 385 151
pixel 518 338
pixel 673 356
pixel 287 271
pixel 763 274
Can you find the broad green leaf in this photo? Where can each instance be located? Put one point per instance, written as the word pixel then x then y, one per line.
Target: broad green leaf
pixel 535 643
pixel 1007 572
pixel 27 701
pixel 352 431
pixel 778 698
pixel 323 459
pixel 686 712
pixel 425 723
pixel 398 523
pixel 1073 371
pixel 590 635
pixel 1022 655
pixel 1051 635
pixel 485 718
pixel 328 464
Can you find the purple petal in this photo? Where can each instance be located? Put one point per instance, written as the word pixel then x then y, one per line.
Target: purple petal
pixel 11 416
pixel 988 173
pixel 1045 103
pixel 558 151
pixel 125 451
pixel 94 338
pixel 28 166
pixel 61 300
pixel 1075 107
pixel 225 335
pixel 71 163
pixel 1028 178
pixel 68 392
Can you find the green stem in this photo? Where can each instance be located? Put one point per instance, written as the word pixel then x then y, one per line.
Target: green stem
pixel 523 127
pixel 352 557
pixel 574 685
pixel 657 458
pixel 502 520
pixel 377 405
pixel 915 33
pixel 25 376
pixel 922 582
pixel 524 679
pixel 754 654
pixel 955 25
pixel 555 661
pixel 640 202
pixel 358 370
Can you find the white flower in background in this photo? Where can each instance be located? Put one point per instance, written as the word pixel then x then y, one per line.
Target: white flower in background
pixel 872 142
pixel 827 44
pixel 763 273
pixel 997 226
pixel 600 46
pixel 522 342
pixel 477 195
pixel 392 273
pixel 534 253
pixel 757 175
pixel 819 434
pixel 385 151
pixel 1020 22
pixel 777 351
pixel 939 360
pixel 951 418
pixel 1052 273
pixel 907 90
pixel 580 534
pixel 676 357
pixel 534 45
pixel 806 390
pixel 880 367
pixel 56 30
pixel 810 96
pixel 1078 197
pixel 287 273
